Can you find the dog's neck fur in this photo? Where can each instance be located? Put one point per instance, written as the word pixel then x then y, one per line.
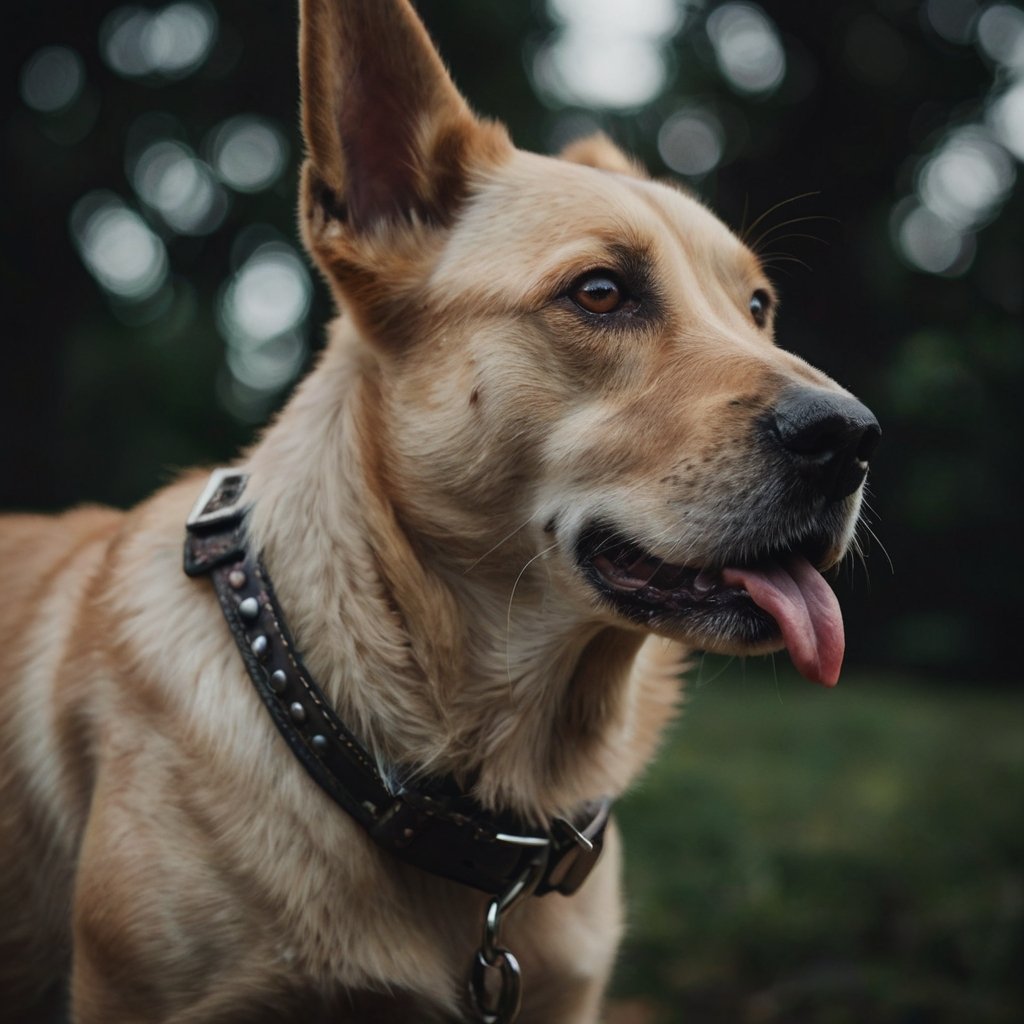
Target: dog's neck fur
pixel 535 708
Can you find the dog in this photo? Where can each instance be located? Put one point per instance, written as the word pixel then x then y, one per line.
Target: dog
pixel 549 450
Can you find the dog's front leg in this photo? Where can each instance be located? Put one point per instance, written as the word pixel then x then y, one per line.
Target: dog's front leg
pixel 569 944
pixel 147 970
pixel 162 930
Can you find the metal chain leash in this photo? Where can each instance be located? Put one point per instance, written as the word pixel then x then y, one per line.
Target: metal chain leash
pixel 495 979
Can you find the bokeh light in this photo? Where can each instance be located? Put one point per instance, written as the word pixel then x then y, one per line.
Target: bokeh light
pixel 180 187
pixel 692 141
pixel 269 294
pixel 953 20
pixel 962 185
pixel 52 79
pixel 117 247
pixel 650 18
pixel 966 180
pixel 1000 32
pixel 170 42
pixel 606 54
pixel 747 47
pixel 930 243
pixel 262 314
pixel 1006 115
pixel 248 153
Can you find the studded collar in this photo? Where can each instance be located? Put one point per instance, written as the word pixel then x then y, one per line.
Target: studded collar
pixel 433 825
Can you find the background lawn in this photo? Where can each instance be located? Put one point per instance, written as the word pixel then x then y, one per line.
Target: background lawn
pixel 807 856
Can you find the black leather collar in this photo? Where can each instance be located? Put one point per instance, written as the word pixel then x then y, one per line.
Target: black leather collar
pixel 433 824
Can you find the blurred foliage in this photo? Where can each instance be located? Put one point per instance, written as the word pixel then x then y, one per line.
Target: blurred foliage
pixel 821 858
pixel 103 397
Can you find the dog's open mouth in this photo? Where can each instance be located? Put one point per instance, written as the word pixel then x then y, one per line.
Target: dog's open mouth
pixel 779 596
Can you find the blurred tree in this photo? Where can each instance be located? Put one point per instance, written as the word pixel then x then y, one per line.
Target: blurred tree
pixel 156 309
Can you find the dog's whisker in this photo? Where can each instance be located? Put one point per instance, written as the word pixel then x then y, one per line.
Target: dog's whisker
pixel 698 683
pixel 865 524
pixel 802 235
pixel 504 540
pixel 862 559
pixel 743 218
pixel 772 259
pixel 765 235
pixel 508 617
pixel 778 271
pixel 882 548
pixel 856 557
pixel 702 681
pixel 775 676
pixel 745 234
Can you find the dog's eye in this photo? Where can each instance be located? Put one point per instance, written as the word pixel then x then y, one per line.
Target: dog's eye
pixel 760 304
pixel 599 292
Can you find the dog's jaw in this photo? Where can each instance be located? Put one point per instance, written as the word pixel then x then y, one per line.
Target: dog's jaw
pixel 478 674
pixel 753 608
pixel 751 600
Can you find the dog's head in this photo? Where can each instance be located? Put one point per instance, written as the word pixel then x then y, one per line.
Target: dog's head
pixel 574 363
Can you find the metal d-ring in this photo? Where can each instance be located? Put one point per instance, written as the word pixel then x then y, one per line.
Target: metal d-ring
pixel 500 1003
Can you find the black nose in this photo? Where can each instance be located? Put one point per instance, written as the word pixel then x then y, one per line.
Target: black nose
pixel 830 437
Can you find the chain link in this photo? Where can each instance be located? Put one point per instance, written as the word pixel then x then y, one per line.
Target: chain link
pixel 495 983
pixel 500 1006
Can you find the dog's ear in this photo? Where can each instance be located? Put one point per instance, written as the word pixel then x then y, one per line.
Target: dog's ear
pixel 599 151
pixel 389 138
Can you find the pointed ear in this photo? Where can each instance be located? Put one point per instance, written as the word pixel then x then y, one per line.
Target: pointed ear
pixel 388 136
pixel 599 151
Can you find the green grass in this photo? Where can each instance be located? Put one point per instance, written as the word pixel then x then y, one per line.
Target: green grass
pixel 798 855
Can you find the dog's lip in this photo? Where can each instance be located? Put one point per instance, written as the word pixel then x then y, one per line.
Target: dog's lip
pixel 781 594
pixel 626 566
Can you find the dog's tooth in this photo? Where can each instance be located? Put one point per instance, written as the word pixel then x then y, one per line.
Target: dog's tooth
pixel 616 576
pixel 706 580
pixel 644 565
pixel 643 570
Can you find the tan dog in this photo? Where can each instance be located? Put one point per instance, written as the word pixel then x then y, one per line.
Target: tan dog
pixel 549 449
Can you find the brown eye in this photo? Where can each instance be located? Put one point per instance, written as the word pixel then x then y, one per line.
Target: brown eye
pixel 598 292
pixel 760 304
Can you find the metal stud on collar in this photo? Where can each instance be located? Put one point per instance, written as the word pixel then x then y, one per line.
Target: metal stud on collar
pixel 495 981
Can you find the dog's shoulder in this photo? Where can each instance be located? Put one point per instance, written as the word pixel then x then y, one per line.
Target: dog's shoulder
pixel 36 551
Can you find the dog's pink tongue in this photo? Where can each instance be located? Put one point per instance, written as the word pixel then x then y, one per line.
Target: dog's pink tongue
pixel 806 609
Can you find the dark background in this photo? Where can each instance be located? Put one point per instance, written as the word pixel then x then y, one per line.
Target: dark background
pixel 792 858
pixel 102 397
